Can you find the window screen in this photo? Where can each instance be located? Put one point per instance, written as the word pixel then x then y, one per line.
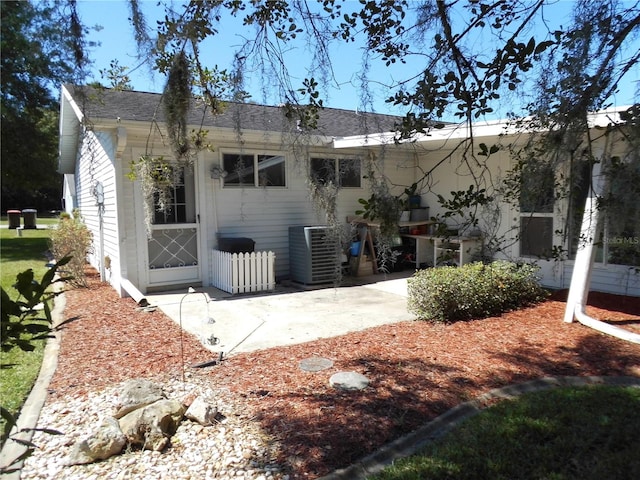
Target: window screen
pixel 536 236
pixel 271 170
pixel 537 189
pixel 180 206
pixel 239 169
pixel 344 172
pixel 323 170
pixel 349 171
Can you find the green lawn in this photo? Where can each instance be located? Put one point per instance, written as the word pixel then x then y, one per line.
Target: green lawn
pixel 19 369
pixel 588 433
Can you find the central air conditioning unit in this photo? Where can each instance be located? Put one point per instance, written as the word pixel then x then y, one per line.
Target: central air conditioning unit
pixel 312 255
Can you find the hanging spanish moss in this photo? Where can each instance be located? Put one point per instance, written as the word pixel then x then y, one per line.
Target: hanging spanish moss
pixel 157 178
pixel 177 98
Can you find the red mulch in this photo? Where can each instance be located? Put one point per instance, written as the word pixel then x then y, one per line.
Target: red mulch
pixel 417 370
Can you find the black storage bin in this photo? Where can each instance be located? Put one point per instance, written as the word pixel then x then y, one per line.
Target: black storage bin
pixel 14 218
pixel 236 245
pixel 29 215
pixel 419 214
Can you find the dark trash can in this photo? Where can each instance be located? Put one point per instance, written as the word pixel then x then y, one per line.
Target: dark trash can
pixel 29 215
pixel 14 218
pixel 236 245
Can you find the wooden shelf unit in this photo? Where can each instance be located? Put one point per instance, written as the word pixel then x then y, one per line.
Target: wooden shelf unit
pixel 430 249
pixel 458 250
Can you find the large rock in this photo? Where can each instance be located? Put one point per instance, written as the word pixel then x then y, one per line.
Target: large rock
pixel 349 381
pixel 151 427
pixel 202 411
pixel 136 394
pixel 107 441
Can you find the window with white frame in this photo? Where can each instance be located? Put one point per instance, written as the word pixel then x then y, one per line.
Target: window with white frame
pixel 179 201
pixel 536 210
pixel 254 170
pixel 343 172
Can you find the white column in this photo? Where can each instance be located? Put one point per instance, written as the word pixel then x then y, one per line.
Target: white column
pixel 581 278
pixel 583 264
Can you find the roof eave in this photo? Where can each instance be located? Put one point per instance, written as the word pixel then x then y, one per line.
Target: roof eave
pixel 463 131
pixel 447 132
pixel 70 123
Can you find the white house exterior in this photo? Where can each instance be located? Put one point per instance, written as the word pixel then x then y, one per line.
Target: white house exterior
pixel 103 132
pixel 439 146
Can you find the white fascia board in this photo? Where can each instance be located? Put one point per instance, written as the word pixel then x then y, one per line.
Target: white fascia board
pixel 71 117
pixel 448 132
pixel 607 117
pixel 462 130
pixel 72 103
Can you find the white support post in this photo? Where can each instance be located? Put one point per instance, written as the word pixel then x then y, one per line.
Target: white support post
pixel 583 265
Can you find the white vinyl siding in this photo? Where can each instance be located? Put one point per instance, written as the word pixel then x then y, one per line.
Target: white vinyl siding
pixel 265 214
pixel 618 279
pixel 96 165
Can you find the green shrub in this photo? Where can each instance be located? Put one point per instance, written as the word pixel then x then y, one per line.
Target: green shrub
pixel 475 290
pixel 72 238
pixel 23 321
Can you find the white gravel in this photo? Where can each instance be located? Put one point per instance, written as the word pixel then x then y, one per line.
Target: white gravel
pixel 234 448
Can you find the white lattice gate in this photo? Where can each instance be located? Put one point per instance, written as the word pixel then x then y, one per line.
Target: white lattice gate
pixel 243 272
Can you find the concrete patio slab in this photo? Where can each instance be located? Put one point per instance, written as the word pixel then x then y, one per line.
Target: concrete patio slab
pixel 289 315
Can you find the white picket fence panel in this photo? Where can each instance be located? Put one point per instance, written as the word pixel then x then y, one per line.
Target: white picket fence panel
pixel 243 272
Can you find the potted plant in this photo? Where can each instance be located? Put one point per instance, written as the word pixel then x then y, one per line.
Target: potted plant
pixel 413 198
pixel 405 209
pixel 408 201
pixel 383 209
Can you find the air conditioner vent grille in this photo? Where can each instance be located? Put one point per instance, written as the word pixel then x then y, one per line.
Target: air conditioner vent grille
pixel 312 255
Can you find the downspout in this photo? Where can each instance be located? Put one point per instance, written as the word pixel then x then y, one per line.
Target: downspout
pixel 102 255
pixel 217 175
pixel 583 265
pixel 98 193
pixel 133 292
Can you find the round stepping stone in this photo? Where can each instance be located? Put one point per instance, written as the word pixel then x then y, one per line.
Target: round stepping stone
pixel 349 381
pixel 315 364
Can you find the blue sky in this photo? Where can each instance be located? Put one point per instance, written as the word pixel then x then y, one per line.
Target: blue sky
pixel 116 42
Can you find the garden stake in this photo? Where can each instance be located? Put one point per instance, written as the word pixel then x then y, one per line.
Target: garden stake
pixel 206 297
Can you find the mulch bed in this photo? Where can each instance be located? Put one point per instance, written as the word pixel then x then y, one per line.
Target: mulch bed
pixel 417 370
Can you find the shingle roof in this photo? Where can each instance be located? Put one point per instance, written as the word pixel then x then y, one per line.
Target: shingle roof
pixel 101 104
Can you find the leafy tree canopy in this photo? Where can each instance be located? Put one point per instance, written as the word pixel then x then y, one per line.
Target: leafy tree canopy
pixel 471 55
pixel 42 47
